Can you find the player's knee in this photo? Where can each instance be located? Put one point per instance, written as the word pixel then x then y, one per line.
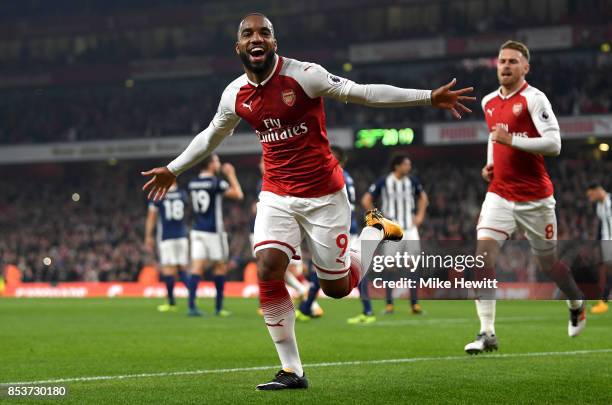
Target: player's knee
pixel 546 264
pixel 271 264
pixel 334 290
pixel 337 294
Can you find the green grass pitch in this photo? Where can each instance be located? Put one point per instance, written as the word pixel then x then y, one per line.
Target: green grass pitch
pixel 47 339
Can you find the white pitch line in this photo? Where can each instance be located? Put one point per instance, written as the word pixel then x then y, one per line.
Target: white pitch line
pixel 426 321
pixel 331 364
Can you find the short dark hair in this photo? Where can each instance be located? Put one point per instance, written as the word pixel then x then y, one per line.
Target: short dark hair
pixel 517 46
pixel 257 14
pixel 398 160
pixel 594 185
pixel 339 154
pixel 207 161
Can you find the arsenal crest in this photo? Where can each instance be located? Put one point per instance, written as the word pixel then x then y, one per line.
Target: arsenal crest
pixel 288 97
pixel 517 109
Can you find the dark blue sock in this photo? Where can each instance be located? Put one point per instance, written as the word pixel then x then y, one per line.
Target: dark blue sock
pixel 169 280
pixel 219 285
pixel 414 295
pixel 365 297
pixel 606 291
pixel 389 295
pixel 184 277
pixel 194 280
pixel 315 286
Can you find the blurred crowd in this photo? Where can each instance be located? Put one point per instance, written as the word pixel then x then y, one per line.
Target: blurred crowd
pixel 114 32
pixel 88 219
pixel 185 108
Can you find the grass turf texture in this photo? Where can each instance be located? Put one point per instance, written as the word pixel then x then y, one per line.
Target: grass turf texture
pixel 46 339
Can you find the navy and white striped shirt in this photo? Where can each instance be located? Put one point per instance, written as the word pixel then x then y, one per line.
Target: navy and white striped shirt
pixel 206 194
pixel 604 212
pixel 399 197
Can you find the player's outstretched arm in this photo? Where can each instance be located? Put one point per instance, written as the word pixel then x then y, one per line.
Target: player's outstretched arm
pixel 202 145
pixel 318 82
pixel 160 182
pixel 382 95
pixel 448 99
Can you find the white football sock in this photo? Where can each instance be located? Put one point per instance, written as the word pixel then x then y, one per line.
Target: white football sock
pixel 574 304
pixel 486 313
pixel 294 283
pixel 372 234
pixel 279 316
pixel 369 234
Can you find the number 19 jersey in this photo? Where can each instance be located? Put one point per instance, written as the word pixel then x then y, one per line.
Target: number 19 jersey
pixel 206 193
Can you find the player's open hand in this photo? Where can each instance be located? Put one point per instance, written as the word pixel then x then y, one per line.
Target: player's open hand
pixel 487 173
pixel 452 100
pixel 160 183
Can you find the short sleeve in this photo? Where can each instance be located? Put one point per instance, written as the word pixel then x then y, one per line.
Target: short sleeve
pixel 376 188
pixel 222 185
pixel 417 186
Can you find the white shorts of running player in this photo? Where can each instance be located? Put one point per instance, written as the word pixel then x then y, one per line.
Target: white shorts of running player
pixel 174 252
pixel 209 246
pixel 499 218
pixel 282 223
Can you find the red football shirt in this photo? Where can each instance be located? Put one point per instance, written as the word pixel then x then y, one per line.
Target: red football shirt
pixel 286 112
pixel 519 175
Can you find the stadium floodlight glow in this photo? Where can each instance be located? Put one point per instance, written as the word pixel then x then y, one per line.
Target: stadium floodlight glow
pixel 347 67
pixel 76 197
pixel 604 147
pixel 605 47
pixel 47 261
pixel 368 138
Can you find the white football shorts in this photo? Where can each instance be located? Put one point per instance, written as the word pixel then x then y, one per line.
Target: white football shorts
pixel 209 246
pixel 174 252
pixel 499 218
pixel 282 223
pixel 293 262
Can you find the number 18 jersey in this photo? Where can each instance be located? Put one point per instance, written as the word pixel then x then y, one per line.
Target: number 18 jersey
pixel 171 215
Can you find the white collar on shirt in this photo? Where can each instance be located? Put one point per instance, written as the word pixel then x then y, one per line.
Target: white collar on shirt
pixel 511 94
